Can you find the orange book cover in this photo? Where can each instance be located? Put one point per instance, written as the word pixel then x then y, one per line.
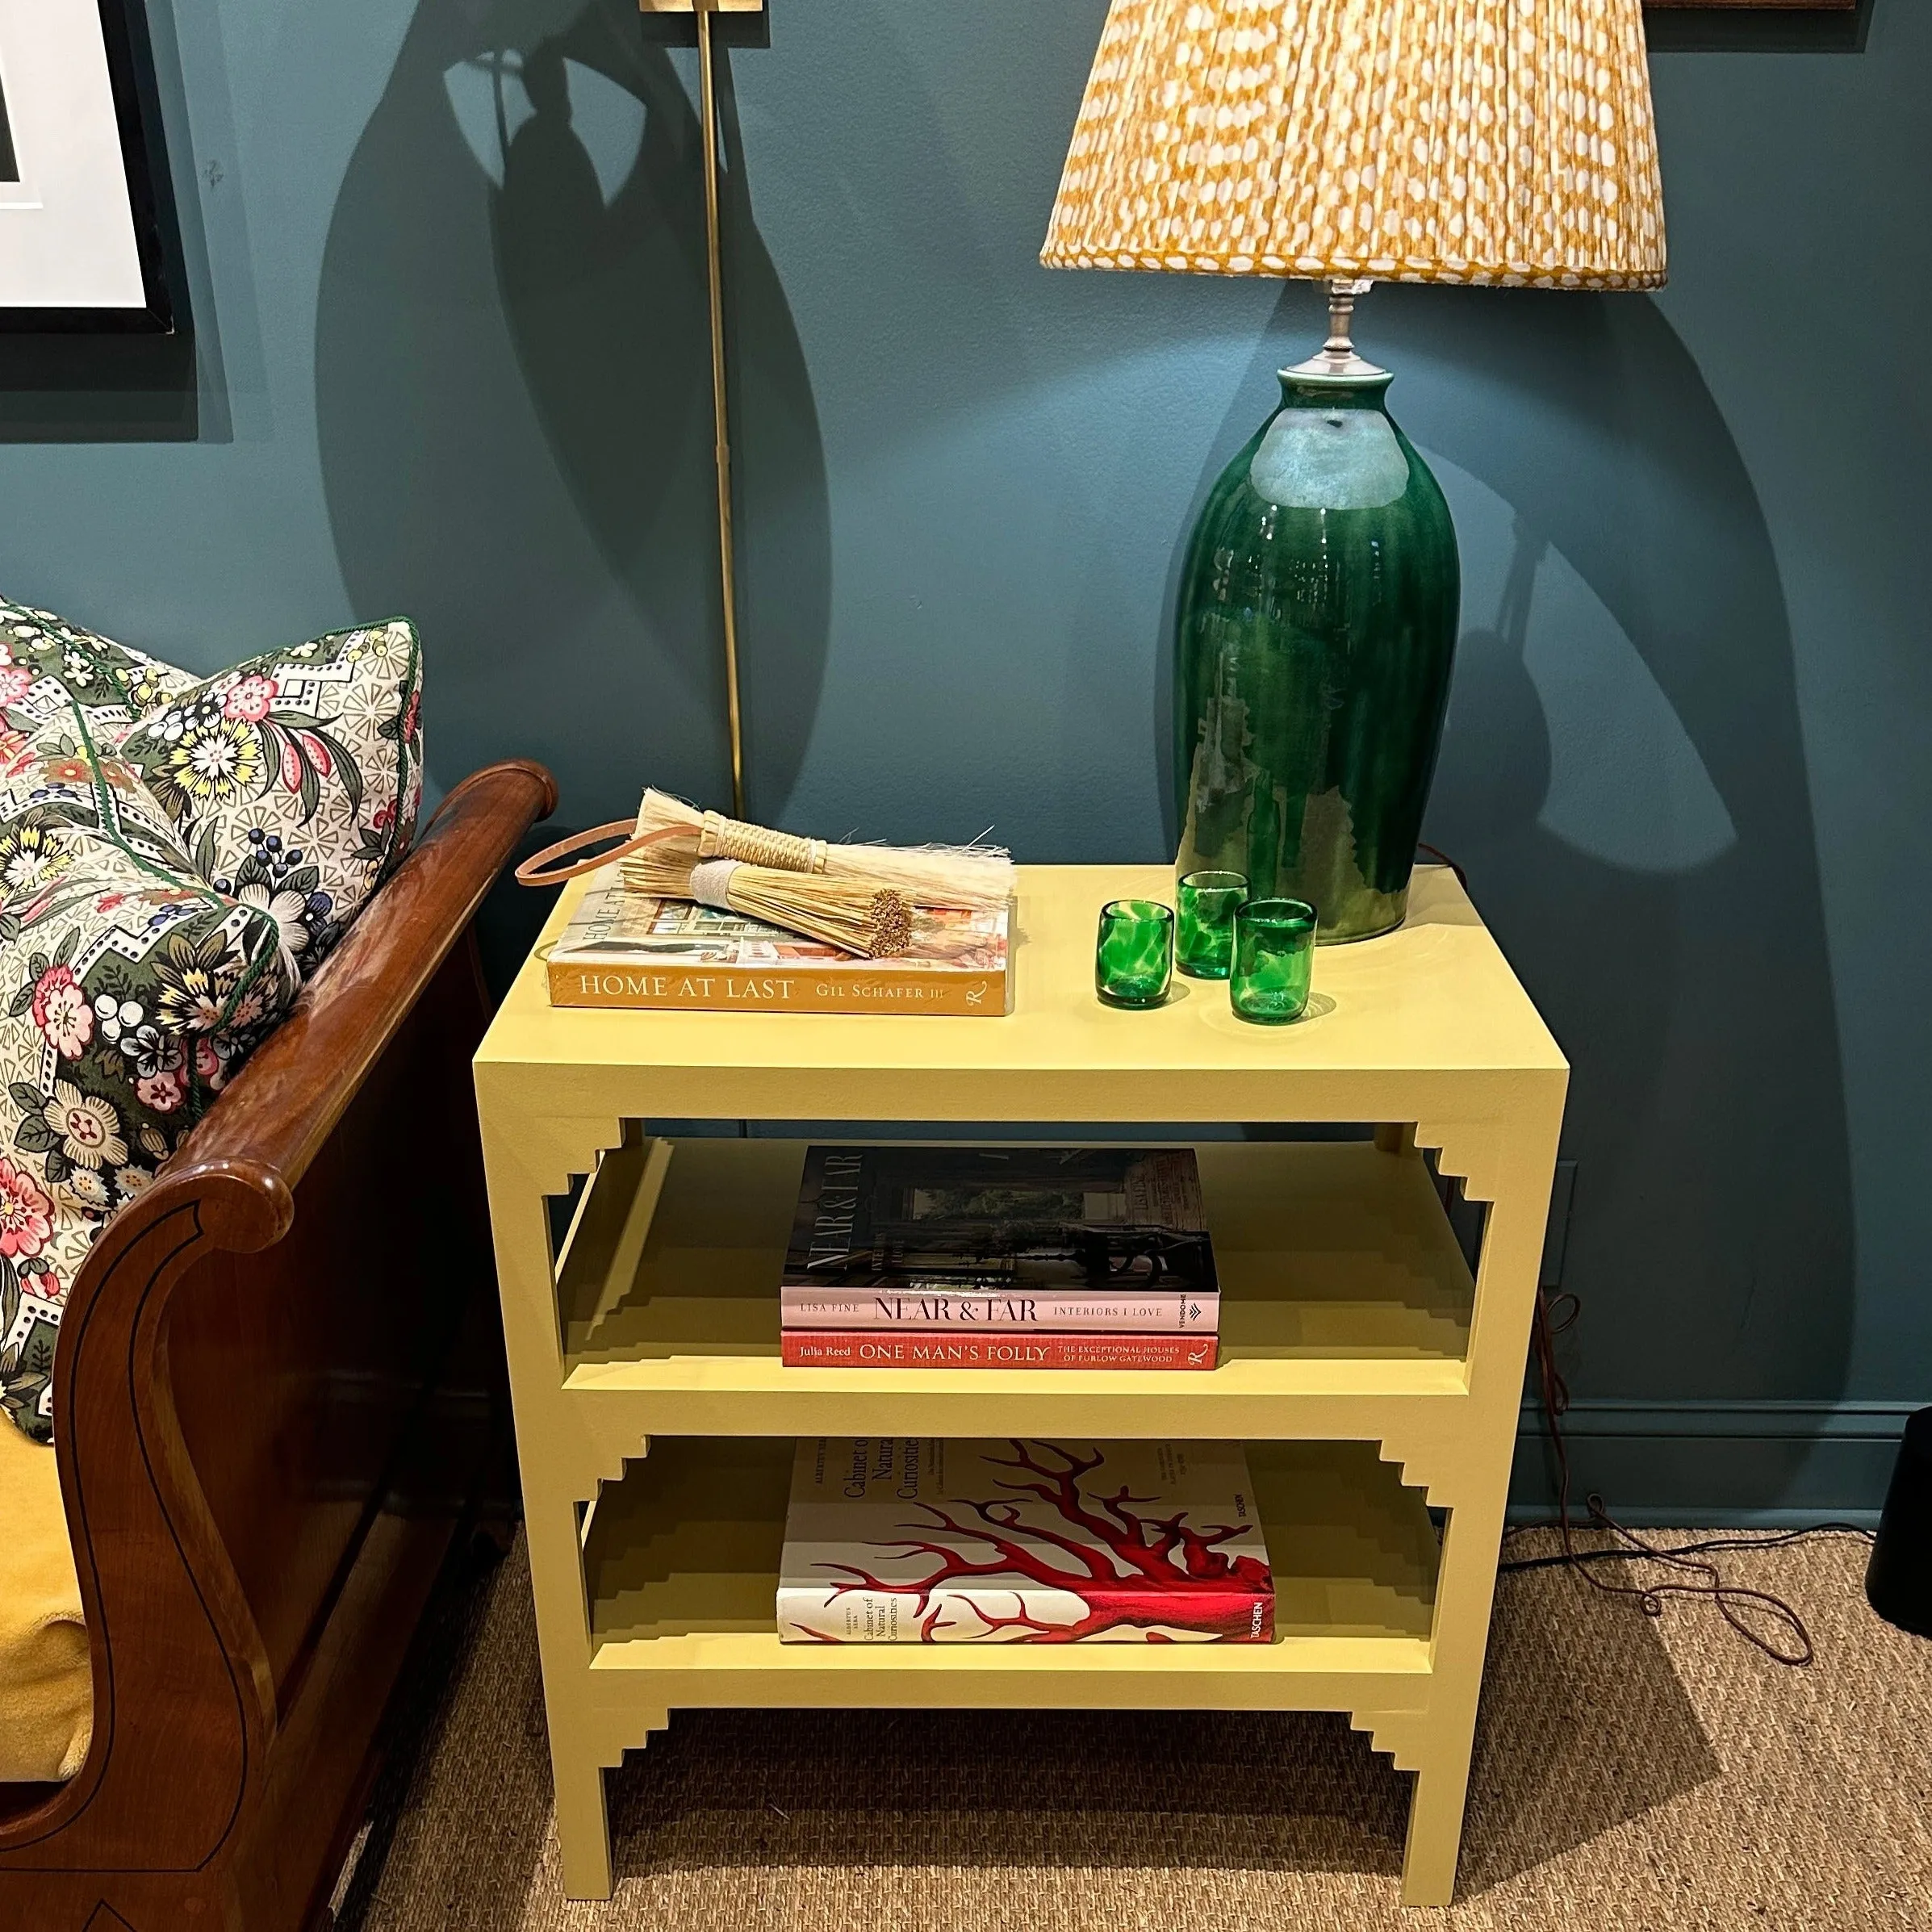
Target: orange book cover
pixel 624 949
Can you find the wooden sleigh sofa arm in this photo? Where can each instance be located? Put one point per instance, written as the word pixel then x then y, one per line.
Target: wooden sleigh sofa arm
pixel 276 1388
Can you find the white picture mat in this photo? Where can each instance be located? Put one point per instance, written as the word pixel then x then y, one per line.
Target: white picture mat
pixel 67 237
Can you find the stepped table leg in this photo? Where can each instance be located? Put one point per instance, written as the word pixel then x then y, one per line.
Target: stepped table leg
pixel 582 1822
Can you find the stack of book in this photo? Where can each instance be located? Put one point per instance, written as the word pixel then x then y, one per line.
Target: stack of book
pixel 622 948
pixel 924 1541
pixel 948 1257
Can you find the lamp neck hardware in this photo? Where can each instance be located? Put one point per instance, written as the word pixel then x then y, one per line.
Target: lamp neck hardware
pixel 1336 361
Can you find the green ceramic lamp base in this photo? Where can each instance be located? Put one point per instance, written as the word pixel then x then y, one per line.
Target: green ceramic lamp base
pixel 1316 631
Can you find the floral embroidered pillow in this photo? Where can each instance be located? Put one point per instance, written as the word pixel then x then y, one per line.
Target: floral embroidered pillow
pixel 175 854
pixel 48 667
pixel 292 781
pixel 128 995
pixel 56 780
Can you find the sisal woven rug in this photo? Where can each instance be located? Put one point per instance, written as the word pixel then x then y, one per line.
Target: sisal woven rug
pixel 1632 1775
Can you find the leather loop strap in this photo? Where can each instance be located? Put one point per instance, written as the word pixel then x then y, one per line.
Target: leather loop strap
pixel 539 870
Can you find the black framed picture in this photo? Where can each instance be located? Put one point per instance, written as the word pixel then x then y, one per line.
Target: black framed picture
pixel 83 188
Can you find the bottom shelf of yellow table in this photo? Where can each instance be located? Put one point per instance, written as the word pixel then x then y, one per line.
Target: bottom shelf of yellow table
pixel 1371 1371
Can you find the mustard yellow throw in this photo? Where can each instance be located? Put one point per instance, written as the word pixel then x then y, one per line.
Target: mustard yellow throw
pixel 46 1687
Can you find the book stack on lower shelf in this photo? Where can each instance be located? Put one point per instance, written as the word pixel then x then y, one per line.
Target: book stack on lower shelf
pixel 919 1540
pixel 949 1257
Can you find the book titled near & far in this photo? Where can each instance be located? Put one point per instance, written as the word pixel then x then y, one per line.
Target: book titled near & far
pixel 1017 1257
pixel 1018 1310
pixel 922 1540
pixel 625 949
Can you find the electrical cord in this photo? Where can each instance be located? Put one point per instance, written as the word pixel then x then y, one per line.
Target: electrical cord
pixel 1735 1602
pixel 1742 1540
pixel 1555 1314
pixel 1442 857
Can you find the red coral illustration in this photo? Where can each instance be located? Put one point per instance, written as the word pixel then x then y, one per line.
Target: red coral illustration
pixel 1139 1572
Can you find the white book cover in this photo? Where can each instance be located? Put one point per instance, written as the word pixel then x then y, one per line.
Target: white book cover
pixel 924 1540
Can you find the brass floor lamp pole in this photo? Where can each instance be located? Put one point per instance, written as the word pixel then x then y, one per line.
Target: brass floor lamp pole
pixel 719 409
pixel 714 263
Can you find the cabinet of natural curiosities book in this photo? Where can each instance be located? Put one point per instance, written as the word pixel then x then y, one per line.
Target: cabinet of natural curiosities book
pixel 1372 1375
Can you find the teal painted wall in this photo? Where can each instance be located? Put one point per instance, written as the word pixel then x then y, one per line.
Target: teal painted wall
pixel 446 262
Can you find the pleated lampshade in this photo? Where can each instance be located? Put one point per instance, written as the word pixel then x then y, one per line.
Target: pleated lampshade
pixel 1501 141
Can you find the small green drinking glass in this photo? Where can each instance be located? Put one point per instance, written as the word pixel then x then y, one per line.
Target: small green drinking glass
pixel 1134 952
pixel 1273 959
pixel 1209 901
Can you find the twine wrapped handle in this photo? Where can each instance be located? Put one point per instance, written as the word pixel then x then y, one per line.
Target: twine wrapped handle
pixel 711 883
pixel 723 837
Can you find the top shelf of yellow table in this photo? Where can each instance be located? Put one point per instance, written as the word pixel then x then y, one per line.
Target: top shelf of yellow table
pixel 1436 997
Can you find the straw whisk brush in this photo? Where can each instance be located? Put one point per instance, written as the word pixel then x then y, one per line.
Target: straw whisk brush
pixel 979 877
pixel 860 898
pixel 863 916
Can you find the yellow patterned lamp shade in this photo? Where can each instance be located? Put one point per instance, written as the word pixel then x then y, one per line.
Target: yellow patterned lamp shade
pixel 1498 142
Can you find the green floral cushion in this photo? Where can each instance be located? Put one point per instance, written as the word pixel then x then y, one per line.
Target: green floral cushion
pixel 128 995
pixel 56 779
pixel 292 781
pixel 49 667
pixel 175 854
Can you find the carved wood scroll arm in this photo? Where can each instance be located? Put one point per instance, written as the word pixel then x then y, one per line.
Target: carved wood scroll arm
pixel 181 1674
pixel 245 1159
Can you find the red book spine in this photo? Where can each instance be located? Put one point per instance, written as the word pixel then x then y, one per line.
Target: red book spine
pixel 874 1349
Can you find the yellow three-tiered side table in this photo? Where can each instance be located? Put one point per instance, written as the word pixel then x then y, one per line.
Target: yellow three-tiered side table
pixel 1375 1384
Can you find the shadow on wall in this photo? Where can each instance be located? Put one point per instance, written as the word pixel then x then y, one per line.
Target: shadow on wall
pixel 513 394
pixel 1624 781
pixel 98 388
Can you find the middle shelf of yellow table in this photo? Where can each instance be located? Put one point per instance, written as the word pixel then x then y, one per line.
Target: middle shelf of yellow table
pixel 1340 1277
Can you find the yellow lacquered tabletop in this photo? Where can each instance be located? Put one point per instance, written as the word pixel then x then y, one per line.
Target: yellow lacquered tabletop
pixel 1434 996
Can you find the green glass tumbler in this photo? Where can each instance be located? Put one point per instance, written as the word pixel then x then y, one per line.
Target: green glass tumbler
pixel 1134 954
pixel 1209 901
pixel 1273 959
